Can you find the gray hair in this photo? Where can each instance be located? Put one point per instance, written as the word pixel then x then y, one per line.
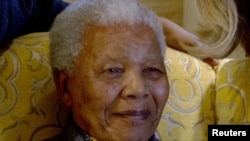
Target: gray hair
pixel 69 26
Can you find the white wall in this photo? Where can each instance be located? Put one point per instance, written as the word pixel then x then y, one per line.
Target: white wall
pixel 189 15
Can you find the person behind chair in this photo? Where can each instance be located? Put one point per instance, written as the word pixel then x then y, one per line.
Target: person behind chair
pixel 108 64
pixel 223 25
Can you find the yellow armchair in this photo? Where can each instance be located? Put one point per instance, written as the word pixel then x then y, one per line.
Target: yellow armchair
pixel 29 106
pixel 199 94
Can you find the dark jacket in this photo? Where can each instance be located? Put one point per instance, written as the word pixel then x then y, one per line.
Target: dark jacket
pixel 19 17
pixel 73 133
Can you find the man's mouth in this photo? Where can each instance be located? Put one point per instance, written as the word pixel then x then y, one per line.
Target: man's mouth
pixel 134 114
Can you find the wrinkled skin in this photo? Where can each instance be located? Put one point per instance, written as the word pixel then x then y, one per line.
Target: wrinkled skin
pixel 119 87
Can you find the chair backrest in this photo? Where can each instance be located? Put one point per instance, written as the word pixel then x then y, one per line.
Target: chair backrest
pixel 29 107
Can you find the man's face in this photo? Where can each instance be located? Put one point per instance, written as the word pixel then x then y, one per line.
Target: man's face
pixel 119 86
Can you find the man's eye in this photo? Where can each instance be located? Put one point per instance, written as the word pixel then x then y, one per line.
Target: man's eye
pixel 152 72
pixel 112 73
pixel 113 70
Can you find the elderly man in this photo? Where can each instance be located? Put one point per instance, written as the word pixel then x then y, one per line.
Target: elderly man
pixel 107 57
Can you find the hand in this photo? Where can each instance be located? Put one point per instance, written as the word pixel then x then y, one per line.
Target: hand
pixel 212 61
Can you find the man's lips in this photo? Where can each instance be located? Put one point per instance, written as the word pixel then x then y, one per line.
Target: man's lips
pixel 134 114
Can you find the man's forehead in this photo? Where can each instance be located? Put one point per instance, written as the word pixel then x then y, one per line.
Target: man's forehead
pixel 119 27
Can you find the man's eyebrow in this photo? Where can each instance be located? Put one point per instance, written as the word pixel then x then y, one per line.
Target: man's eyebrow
pixel 107 59
pixel 112 57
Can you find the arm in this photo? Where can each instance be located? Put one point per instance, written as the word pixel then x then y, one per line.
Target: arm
pixel 176 36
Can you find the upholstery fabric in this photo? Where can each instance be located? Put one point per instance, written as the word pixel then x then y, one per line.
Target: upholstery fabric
pixel 199 94
pixel 29 107
pixel 233 92
pixel 190 105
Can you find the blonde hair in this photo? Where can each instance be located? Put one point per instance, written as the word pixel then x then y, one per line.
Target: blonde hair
pixel 218 24
pixel 69 26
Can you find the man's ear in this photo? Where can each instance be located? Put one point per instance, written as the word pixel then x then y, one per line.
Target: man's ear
pixel 61 81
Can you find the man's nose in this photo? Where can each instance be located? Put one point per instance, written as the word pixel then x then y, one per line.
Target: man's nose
pixel 135 86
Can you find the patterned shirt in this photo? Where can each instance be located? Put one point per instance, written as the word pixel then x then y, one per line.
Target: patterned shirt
pixel 73 133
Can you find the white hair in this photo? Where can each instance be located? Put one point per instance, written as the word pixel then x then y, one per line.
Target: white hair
pixel 69 26
pixel 218 24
